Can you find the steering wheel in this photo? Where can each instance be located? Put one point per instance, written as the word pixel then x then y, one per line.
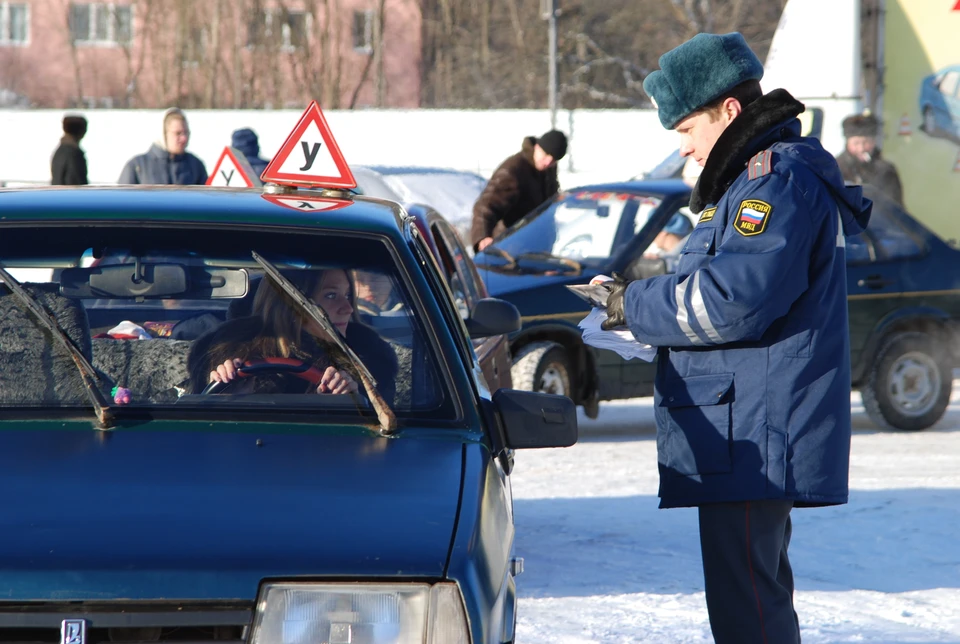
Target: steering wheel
pixel 251 368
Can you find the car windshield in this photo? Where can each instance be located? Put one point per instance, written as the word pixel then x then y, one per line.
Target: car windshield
pixel 156 311
pixel 582 225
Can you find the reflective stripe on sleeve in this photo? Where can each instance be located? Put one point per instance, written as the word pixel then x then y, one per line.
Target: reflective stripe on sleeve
pixel 682 318
pixel 700 310
pixel 841 241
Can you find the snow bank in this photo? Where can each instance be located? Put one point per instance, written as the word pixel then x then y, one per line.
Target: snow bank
pixel 605 145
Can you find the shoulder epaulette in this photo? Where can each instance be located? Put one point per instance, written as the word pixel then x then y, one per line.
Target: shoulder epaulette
pixel 761 164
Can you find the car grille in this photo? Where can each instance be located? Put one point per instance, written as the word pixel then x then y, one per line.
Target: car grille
pixel 127 622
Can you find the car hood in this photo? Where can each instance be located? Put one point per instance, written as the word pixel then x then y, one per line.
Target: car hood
pixel 200 513
pixel 536 294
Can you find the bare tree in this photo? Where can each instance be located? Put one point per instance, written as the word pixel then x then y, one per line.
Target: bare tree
pixel 493 53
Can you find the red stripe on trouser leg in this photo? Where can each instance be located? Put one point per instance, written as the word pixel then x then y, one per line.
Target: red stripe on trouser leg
pixel 753 581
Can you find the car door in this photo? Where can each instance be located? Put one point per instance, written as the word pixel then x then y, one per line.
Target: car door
pixel 883 263
pixel 492 352
pixel 640 259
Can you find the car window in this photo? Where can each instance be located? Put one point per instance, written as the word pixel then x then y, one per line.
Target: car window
pixel 890 240
pixel 948 85
pixel 463 297
pixel 155 321
pixel 580 225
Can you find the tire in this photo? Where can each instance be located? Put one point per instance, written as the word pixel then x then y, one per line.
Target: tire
pixel 543 367
pixel 929 121
pixel 909 384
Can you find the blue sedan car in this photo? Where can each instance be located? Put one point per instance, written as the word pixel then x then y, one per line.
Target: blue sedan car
pixel 940 103
pixel 349 482
pixel 903 285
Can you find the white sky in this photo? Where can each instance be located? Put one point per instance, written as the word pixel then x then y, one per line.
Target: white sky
pixel 603 564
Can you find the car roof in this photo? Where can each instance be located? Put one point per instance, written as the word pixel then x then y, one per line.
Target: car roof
pixel 191 205
pixel 655 186
pixel 387 169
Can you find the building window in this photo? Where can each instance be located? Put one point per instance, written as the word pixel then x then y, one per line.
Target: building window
pixel 14 23
pixel 194 45
pixel 363 31
pixel 280 28
pixel 101 23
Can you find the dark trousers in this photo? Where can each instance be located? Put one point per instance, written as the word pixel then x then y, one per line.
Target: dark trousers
pixel 746 572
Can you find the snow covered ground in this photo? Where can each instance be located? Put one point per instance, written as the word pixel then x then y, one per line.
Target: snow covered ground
pixel 603 564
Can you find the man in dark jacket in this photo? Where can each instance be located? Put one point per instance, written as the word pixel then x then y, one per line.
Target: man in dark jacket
pixel 245 140
pixel 752 392
pixel 68 167
pixel 521 183
pixel 167 162
pixel 860 162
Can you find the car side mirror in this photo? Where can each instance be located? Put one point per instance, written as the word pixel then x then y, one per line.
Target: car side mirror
pixel 644 267
pixel 491 316
pixel 529 419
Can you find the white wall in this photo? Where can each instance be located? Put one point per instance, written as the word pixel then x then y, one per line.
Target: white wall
pixel 604 145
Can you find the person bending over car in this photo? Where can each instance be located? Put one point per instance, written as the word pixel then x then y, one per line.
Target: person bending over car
pixel 276 329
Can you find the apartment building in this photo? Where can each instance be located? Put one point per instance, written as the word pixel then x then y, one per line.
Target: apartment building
pixel 210 53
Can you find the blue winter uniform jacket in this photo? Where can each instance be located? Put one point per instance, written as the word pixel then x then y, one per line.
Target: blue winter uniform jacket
pixel 753 380
pixel 157 167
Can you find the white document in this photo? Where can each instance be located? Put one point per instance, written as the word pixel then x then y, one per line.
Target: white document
pixel 620 340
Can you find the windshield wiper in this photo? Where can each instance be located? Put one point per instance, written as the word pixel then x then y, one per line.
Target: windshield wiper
pixel 88 374
pixel 566 261
pixel 388 420
pixel 499 252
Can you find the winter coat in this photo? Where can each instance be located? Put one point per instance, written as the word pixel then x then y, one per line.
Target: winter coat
pixel 752 392
pixel 245 140
pixel 68 167
pixel 159 167
pixel 515 189
pixel 875 172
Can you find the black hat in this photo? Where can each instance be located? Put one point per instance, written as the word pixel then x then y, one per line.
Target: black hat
pixel 554 143
pixel 74 125
pixel 861 125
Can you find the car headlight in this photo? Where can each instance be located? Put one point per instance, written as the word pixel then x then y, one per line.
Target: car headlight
pixel 360 613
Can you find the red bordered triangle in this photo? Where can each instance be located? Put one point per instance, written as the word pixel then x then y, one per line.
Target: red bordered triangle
pixel 232 169
pixel 307 203
pixel 310 156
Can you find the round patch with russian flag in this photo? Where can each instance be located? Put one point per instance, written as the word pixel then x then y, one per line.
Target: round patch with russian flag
pixel 752 217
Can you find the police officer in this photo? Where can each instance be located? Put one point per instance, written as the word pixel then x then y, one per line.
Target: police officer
pixel 753 377
pixel 860 161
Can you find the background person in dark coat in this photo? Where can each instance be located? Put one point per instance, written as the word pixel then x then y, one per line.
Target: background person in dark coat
pixel 68 167
pixel 167 162
pixel 860 162
pixel 245 140
pixel 521 183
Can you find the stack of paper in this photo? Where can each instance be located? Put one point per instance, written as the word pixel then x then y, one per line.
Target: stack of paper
pixel 620 340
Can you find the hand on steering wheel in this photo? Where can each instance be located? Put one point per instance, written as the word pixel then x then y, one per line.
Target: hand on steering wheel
pixel 329 381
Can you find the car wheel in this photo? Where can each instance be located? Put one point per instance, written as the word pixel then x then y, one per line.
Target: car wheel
pixel 910 383
pixel 543 367
pixel 929 121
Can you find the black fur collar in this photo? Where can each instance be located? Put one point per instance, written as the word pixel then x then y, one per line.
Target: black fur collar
pixel 739 142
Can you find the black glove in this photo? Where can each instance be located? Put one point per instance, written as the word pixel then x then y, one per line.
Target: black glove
pixel 615 315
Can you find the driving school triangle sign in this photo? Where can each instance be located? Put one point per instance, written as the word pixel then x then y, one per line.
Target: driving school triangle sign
pixel 232 169
pixel 310 156
pixel 307 203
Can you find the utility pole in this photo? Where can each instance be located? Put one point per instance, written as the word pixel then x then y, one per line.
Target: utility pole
pixel 549 11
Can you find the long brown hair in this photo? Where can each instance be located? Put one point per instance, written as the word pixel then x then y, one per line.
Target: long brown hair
pixel 282 326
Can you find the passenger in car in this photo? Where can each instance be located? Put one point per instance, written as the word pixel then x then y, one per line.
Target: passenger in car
pixel 275 329
pixel 375 293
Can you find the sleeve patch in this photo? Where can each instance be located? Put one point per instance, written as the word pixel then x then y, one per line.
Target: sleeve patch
pixel 706 215
pixel 752 217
